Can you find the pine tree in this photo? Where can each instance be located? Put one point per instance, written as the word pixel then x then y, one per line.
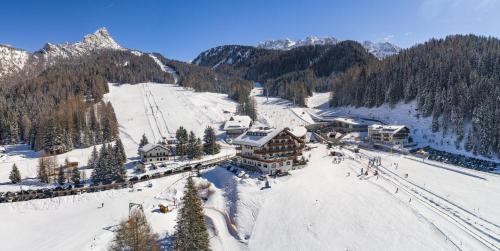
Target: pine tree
pixel 198 149
pixel 191 232
pixel 120 151
pixel 119 159
pixel 144 141
pixel 75 176
pixel 60 176
pixel 210 145
pixel 15 175
pixel 191 145
pixel 182 138
pixel 135 234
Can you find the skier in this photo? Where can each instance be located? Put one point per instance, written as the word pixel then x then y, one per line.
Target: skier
pixel 361 171
pixel 397 189
pixel 102 205
pixel 348 174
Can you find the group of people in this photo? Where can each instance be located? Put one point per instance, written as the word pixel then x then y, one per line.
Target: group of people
pixel 375 161
pixel 337 160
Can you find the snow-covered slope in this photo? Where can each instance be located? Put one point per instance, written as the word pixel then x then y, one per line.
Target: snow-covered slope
pixel 12 60
pixel 323 206
pixel 227 54
pixel 160 109
pixel 378 49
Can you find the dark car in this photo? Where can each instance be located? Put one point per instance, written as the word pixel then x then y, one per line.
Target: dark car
pixel 134 179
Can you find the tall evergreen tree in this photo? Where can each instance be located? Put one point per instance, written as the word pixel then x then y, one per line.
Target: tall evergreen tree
pixel 75 176
pixel 15 175
pixel 191 231
pixel 182 137
pixel 60 176
pixel 210 145
pixel 144 141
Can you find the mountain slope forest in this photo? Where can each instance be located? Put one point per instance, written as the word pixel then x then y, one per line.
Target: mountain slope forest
pixel 292 74
pixel 61 107
pixel 455 80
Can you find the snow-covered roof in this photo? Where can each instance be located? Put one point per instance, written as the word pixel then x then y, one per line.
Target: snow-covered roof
pixel 257 136
pixel 237 122
pixel 387 128
pixel 148 147
pixel 351 121
pixel 298 131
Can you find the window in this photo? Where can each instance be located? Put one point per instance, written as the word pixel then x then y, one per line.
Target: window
pixel 288 162
pixel 281 163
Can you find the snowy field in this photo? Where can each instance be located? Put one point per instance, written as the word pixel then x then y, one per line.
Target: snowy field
pixel 160 109
pixel 278 112
pixel 324 206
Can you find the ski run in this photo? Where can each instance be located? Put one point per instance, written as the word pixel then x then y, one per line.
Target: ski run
pixel 412 204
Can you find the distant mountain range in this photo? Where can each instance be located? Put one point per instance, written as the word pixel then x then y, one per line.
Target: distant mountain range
pixel 378 49
pixel 13 60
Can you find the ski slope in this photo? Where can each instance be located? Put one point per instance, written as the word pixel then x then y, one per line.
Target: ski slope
pixel 278 112
pixel 158 110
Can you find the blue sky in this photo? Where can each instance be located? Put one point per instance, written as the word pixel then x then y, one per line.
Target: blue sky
pixel 181 29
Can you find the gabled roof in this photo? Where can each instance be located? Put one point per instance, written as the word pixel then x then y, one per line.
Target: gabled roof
pixel 260 136
pixel 237 122
pixel 388 128
pixel 298 131
pixel 148 147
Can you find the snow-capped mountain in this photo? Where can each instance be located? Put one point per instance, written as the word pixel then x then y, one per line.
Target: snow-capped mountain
pixel 287 44
pixel 378 49
pixel 96 41
pixel 14 60
pixel 381 49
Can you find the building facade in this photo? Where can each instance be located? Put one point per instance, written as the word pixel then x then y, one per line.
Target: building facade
pixel 152 153
pixel 389 134
pixel 236 125
pixel 270 150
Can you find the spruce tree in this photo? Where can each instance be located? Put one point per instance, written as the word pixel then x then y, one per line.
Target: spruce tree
pixel 198 149
pixel 191 148
pixel 144 141
pixel 60 176
pixel 182 138
pixel 210 145
pixel 75 176
pixel 15 175
pixel 120 159
pixel 191 231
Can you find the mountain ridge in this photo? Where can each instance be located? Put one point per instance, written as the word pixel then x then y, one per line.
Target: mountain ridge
pixel 380 50
pixel 14 60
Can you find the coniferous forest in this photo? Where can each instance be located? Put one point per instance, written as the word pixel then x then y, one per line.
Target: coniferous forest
pixel 455 80
pixel 61 107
